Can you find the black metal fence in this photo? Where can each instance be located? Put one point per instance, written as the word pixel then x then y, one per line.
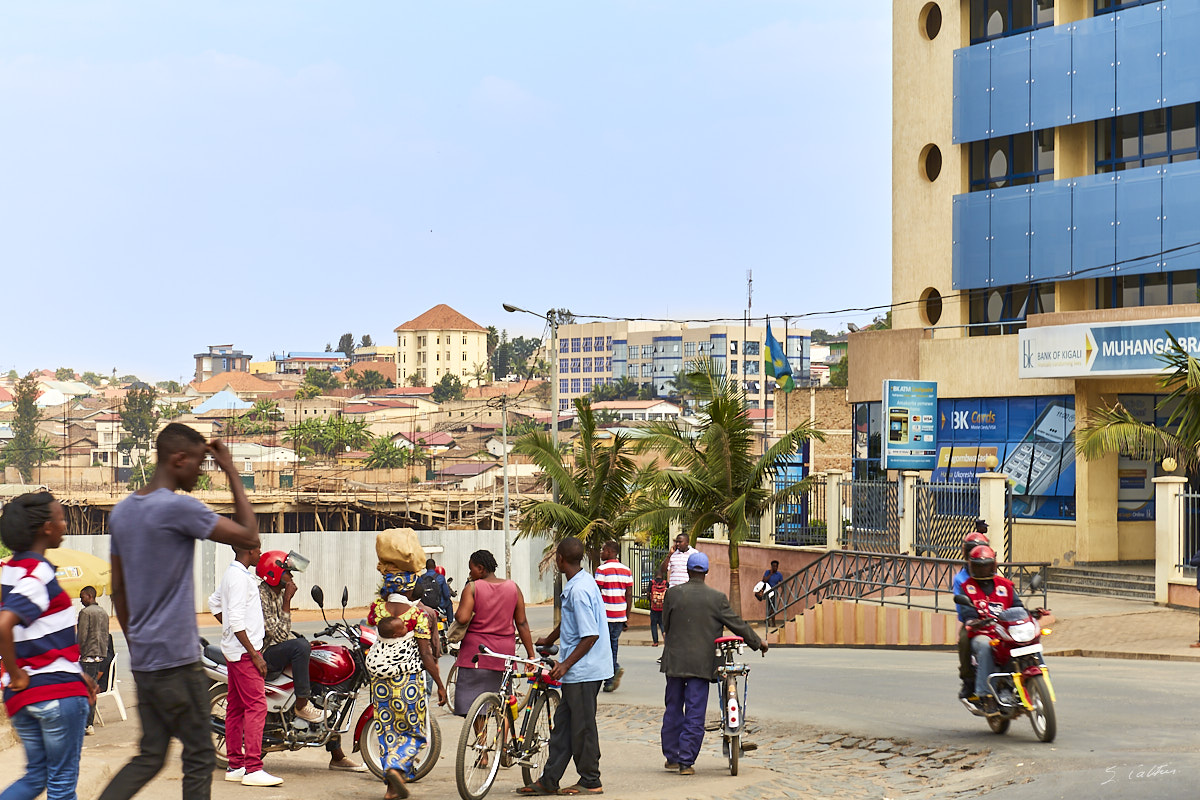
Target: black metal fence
pixel 802 522
pixel 874 525
pixel 1189 524
pixel 643 560
pixel 946 512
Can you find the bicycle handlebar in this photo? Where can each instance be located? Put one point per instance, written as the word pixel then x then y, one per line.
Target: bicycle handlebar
pixel 486 651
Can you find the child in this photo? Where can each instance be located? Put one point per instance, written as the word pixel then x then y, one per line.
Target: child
pixel 658 590
pixel 48 708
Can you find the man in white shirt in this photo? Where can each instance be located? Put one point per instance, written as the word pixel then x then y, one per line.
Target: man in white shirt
pixel 675 564
pixel 242 632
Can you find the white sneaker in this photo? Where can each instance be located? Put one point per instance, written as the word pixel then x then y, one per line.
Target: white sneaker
pixel 261 778
pixel 310 713
pixel 235 775
pixel 89 731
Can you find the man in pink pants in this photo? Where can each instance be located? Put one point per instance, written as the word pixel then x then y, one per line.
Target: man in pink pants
pixel 242 632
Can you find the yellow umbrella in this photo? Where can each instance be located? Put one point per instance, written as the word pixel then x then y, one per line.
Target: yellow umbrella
pixel 77 570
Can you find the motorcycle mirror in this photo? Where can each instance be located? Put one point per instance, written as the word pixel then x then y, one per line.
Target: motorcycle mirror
pixel 449 580
pixel 318 596
pixel 345 596
pixel 962 600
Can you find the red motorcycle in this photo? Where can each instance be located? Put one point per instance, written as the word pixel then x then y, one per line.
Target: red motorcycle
pixel 1021 683
pixel 337 673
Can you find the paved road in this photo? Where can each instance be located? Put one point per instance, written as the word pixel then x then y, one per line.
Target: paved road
pixel 1125 728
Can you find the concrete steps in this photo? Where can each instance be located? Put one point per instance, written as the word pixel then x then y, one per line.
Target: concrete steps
pixel 1101 582
pixel 842 623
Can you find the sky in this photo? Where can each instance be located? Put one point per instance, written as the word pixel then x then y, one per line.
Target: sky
pixel 274 174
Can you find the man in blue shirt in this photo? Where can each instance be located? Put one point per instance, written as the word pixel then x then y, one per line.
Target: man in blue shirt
pixel 966 670
pixel 772 578
pixel 585 662
pixel 444 604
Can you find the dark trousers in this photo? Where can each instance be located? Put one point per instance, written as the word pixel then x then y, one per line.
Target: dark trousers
pixel 683 719
pixel 575 736
pixel 98 670
pixel 772 608
pixel 293 651
pixel 656 624
pixel 614 640
pixel 171 703
pixel 966 670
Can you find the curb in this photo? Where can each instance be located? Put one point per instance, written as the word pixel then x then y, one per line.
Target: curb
pixel 1080 653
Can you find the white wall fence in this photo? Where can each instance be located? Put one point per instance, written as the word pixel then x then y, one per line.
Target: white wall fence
pixel 347 558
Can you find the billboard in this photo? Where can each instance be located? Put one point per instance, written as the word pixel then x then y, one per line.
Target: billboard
pixel 1103 348
pixel 910 420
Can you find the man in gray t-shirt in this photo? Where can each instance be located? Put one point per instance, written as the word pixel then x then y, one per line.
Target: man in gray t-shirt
pixel 154 532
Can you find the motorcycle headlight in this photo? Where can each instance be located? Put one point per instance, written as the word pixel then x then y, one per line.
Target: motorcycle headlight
pixel 1023 631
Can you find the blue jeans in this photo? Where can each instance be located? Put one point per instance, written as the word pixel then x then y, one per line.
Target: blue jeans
pixel 655 624
pixel 985 664
pixel 614 638
pixel 52 733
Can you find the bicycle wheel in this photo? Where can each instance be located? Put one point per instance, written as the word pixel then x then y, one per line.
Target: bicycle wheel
pixel 451 684
pixel 734 740
pixel 479 747
pixel 538 726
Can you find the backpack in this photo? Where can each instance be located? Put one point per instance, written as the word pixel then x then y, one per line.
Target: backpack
pixel 431 592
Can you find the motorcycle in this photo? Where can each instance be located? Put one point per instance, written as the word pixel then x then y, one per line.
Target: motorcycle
pixel 1023 687
pixel 337 672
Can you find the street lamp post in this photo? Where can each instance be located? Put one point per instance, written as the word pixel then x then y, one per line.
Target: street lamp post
pixel 551 319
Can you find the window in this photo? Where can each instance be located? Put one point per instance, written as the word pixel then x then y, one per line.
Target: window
pixel 587 385
pixel 464 341
pixel 587 365
pixel 995 19
pixel 1008 307
pixel 733 365
pixel 563 404
pixel 620 351
pixel 608 365
pixel 464 356
pixel 1107 6
pixel 732 346
pixel 464 371
pixel 751 367
pixel 600 342
pixel 1155 289
pixel 647 350
pixel 562 386
pixel 575 385
pixel 689 349
pixel 1012 160
pixel 1154 137
pixel 437 356
pixel 563 346
pixel 752 348
pixel 439 341
pixel 574 365
pixel 575 345
pixel 646 373
pixel 587 344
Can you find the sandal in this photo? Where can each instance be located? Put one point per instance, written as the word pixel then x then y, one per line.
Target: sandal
pixel 395 783
pixel 535 788
pixel 580 789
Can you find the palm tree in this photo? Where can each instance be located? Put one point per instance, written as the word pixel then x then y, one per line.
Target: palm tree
pixel 370 380
pixel 626 388
pixel 307 392
pixel 715 478
pixel 596 485
pixel 385 455
pixel 1115 430
pixel 265 410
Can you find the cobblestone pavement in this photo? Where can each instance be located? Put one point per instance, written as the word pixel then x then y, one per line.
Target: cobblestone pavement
pixel 802 762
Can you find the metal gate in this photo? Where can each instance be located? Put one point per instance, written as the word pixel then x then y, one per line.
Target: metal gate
pixel 946 512
pixel 874 517
pixel 643 560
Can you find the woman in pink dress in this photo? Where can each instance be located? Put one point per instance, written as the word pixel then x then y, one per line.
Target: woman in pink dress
pixel 493 610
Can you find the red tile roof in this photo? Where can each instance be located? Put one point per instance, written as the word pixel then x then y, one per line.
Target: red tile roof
pixel 385 368
pixel 236 382
pixel 430 439
pixel 441 318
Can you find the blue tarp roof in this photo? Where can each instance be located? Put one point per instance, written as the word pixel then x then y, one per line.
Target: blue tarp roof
pixel 223 400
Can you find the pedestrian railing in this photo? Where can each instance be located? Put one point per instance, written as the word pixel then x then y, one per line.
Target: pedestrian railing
pixel 885 578
pixel 1189 539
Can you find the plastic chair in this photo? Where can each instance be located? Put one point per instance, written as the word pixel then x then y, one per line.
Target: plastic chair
pixel 109 689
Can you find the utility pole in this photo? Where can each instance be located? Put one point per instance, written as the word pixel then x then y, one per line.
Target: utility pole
pixel 504 445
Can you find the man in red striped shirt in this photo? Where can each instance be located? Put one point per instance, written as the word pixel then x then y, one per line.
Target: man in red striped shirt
pixel 616 587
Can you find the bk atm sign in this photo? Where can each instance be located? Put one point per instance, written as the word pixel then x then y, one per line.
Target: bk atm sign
pixel 910 422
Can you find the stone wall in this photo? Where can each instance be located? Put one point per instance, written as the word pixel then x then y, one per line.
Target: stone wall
pixel 828 408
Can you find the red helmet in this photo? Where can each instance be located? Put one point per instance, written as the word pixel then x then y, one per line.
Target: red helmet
pixel 271 567
pixel 981 563
pixel 973 540
pixel 440 571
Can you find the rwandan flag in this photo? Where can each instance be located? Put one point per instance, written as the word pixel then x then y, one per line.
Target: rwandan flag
pixel 777 364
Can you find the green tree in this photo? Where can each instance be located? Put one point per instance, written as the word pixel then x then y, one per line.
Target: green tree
pixel 27 449
pixel 321 378
pixel 385 455
pixel 448 388
pixel 562 315
pixel 1115 430
pixel 715 478
pixel 170 387
pixel 125 380
pixel 91 379
pixel 839 373
pixel 370 380
pixel 626 388
pixel 646 392
pixel 64 374
pixel 543 392
pixel 13 376
pixel 366 341
pixel 139 417
pixel 820 336
pixel 346 344
pixel 415 379
pixel 265 410
pixel 479 374
pixel 175 410
pixel 307 392
pixel 596 486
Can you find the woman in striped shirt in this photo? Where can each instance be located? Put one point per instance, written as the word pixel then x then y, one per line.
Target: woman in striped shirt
pixel 45 691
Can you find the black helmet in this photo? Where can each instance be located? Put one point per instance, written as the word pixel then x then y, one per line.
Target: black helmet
pixel 981 563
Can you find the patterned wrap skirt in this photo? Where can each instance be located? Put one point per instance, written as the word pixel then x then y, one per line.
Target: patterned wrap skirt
pixel 400 709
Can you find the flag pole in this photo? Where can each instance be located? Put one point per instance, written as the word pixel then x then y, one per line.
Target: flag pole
pixel 787 357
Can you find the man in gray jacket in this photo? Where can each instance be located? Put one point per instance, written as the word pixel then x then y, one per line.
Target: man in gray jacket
pixel 694 616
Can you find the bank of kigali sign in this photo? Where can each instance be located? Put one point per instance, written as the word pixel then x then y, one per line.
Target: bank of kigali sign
pixel 1104 348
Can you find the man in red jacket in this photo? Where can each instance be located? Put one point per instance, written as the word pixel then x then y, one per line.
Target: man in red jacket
pixel 989 594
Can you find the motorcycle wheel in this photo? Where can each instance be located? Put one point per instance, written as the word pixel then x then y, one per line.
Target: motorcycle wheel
pixel 218 699
pixel 427 757
pixel 1045 725
pixel 538 727
pixel 998 725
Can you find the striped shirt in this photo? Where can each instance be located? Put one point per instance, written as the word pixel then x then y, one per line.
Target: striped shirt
pixel 614 578
pixel 677 567
pixel 44 638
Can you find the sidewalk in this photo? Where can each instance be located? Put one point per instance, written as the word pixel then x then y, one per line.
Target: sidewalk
pixel 1095 627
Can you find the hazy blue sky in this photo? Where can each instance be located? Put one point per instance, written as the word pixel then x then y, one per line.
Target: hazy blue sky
pixel 273 174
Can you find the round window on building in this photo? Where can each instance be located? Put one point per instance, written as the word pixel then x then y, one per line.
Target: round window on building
pixel 995 305
pixel 931 162
pixel 931 306
pixel 998 167
pixel 931 21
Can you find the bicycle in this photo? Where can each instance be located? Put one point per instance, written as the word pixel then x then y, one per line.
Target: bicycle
pixel 733 710
pixel 487 741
